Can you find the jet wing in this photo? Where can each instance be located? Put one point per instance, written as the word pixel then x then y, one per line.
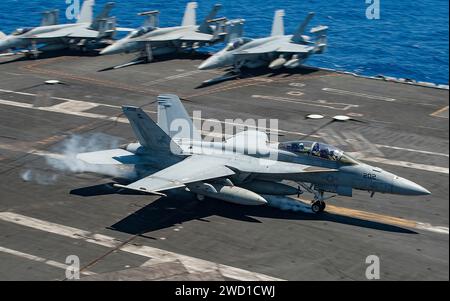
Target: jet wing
pixel 193 169
pixel 196 36
pixel 160 38
pixel 184 37
pixel 84 33
pixel 295 48
pixel 273 47
pixel 66 33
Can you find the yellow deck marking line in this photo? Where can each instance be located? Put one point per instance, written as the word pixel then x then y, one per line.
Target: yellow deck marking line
pixel 436 114
pixel 381 218
pixel 371 216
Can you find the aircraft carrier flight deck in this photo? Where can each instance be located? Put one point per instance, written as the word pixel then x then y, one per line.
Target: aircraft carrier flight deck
pixel 47 215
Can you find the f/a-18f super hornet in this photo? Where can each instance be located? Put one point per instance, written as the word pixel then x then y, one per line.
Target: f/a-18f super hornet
pixel 277 51
pixel 151 40
pixel 245 169
pixel 87 33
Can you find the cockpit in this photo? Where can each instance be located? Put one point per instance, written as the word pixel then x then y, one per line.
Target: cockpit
pixel 237 43
pixel 319 150
pixel 21 31
pixel 140 32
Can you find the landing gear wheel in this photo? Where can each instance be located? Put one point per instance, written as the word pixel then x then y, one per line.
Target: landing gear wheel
pixel 200 197
pixel 318 206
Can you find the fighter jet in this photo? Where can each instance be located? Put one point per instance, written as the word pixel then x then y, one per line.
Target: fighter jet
pixel 244 169
pixel 277 51
pixel 150 40
pixel 88 32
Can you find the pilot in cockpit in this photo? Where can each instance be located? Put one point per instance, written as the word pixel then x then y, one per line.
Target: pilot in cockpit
pixel 316 150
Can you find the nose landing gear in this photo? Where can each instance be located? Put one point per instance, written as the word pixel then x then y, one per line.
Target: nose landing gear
pixel 318 204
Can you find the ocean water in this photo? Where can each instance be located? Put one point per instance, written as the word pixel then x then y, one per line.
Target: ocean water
pixel 410 40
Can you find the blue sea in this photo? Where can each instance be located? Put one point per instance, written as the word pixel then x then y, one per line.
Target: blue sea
pixel 410 40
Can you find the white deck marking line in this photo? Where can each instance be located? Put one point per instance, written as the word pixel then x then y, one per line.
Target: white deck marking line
pixel 317 103
pixel 343 92
pixel 192 264
pixel 64 110
pixel 429 227
pixel 362 144
pixel 58 109
pixel 413 150
pixel 172 77
pixel 424 167
pixel 40 259
pixel 58 98
pixel 18 93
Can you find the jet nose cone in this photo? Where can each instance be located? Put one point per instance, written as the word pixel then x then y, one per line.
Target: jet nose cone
pixel 112 49
pixel 406 187
pixel 210 63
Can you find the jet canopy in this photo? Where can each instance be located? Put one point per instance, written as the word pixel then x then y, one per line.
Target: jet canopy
pixel 237 43
pixel 317 149
pixel 21 31
pixel 141 31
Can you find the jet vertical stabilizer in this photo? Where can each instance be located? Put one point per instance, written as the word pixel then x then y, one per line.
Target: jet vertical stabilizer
pixel 87 12
pixel 205 27
pixel 190 15
pixel 234 29
pixel 278 23
pixel 298 36
pixel 174 120
pixel 148 133
pixel 104 15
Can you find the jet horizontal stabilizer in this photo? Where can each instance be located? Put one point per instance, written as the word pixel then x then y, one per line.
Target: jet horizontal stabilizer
pixel 217 20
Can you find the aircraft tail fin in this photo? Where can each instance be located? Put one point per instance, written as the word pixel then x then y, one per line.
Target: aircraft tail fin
pixel 190 14
pixel 148 133
pixel 87 12
pixel 298 36
pixel 2 35
pixel 174 120
pixel 234 29
pixel 204 27
pixel 50 17
pixel 102 16
pixel 151 18
pixel 278 23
